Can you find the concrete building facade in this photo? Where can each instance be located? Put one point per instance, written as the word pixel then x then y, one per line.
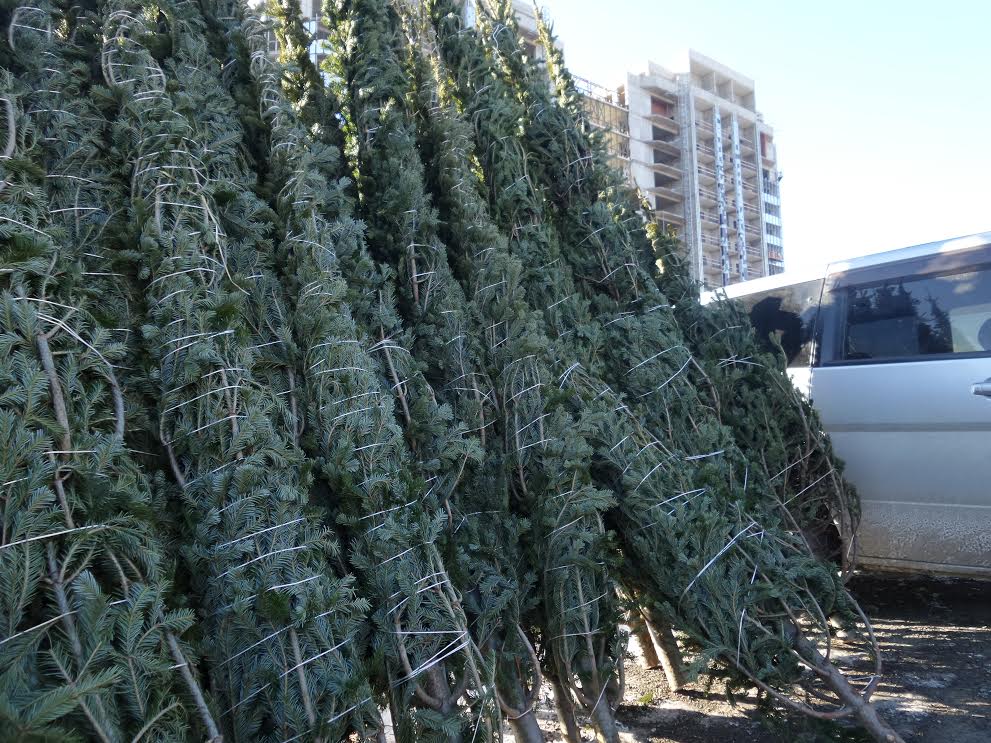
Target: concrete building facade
pixel 696 147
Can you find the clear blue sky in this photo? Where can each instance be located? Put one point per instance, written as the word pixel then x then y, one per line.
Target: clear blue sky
pixel 881 109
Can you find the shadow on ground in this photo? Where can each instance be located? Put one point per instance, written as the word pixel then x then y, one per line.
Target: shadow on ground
pixel 935 635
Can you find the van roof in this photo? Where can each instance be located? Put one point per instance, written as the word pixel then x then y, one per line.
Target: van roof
pixel 763 284
pixel 797 277
pixel 915 251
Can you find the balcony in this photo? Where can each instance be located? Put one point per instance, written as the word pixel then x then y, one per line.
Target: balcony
pixel 707 196
pixel 667 123
pixel 670 147
pixel 666 193
pixel 709 217
pixel 664 169
pixel 704 126
pixel 706 152
pixel 755 268
pixel 666 216
pixel 660 93
pixel 713 240
pixel 600 93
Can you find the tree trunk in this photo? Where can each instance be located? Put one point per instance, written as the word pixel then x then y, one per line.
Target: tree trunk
pixel 638 624
pixel 667 646
pixel 517 706
pixel 526 729
pixel 566 713
pixel 605 723
pixel 865 711
pixel 437 680
pixel 400 722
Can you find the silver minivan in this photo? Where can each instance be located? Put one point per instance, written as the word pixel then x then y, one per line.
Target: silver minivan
pixel 894 351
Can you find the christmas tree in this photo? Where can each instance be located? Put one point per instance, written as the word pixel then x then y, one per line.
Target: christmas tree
pixel 331 390
pixel 682 506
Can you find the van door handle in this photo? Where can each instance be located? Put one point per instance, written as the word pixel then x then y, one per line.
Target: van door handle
pixel 982 388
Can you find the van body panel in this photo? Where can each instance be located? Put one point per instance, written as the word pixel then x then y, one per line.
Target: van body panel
pixel 917 446
pixel 899 341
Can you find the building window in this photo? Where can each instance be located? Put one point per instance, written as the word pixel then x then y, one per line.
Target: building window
pixel 770 181
pixel 661 108
pixel 766 145
pixel 659 135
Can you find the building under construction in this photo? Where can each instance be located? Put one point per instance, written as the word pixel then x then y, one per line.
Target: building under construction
pixel 695 145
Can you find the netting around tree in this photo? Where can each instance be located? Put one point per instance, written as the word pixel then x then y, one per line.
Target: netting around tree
pixel 325 391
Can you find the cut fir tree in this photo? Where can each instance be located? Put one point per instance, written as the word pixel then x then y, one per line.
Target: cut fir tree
pixel 542 449
pixel 425 664
pixel 685 502
pixel 281 627
pixel 89 642
pixel 491 576
pixel 488 413
pixel 755 397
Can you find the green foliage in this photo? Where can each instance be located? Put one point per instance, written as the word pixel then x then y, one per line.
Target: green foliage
pixel 328 390
pixel 750 389
pixel 723 567
pixel 429 351
pixel 281 627
pixel 398 485
pixel 544 449
pixel 89 641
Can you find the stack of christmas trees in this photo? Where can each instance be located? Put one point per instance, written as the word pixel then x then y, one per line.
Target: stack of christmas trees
pixel 325 392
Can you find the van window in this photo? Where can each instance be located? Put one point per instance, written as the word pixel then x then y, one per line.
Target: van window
pixel 912 316
pixel 786 316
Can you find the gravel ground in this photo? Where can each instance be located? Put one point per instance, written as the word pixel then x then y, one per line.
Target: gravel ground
pixel 936 638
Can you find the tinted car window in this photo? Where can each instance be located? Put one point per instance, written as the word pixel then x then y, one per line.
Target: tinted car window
pixel 786 316
pixel 912 316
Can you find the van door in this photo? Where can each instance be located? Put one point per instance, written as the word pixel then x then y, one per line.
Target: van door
pixel 903 346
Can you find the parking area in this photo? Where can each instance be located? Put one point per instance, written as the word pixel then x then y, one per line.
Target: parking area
pixel 936 637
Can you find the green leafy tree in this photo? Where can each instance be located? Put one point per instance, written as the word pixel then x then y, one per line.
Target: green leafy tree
pixel 450 381
pixel 753 395
pixel 542 450
pixel 408 505
pixel 489 411
pixel 741 378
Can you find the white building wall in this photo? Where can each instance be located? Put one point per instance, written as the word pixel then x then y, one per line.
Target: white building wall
pixel 735 216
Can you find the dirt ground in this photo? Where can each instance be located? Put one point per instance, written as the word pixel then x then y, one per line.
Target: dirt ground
pixel 936 638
